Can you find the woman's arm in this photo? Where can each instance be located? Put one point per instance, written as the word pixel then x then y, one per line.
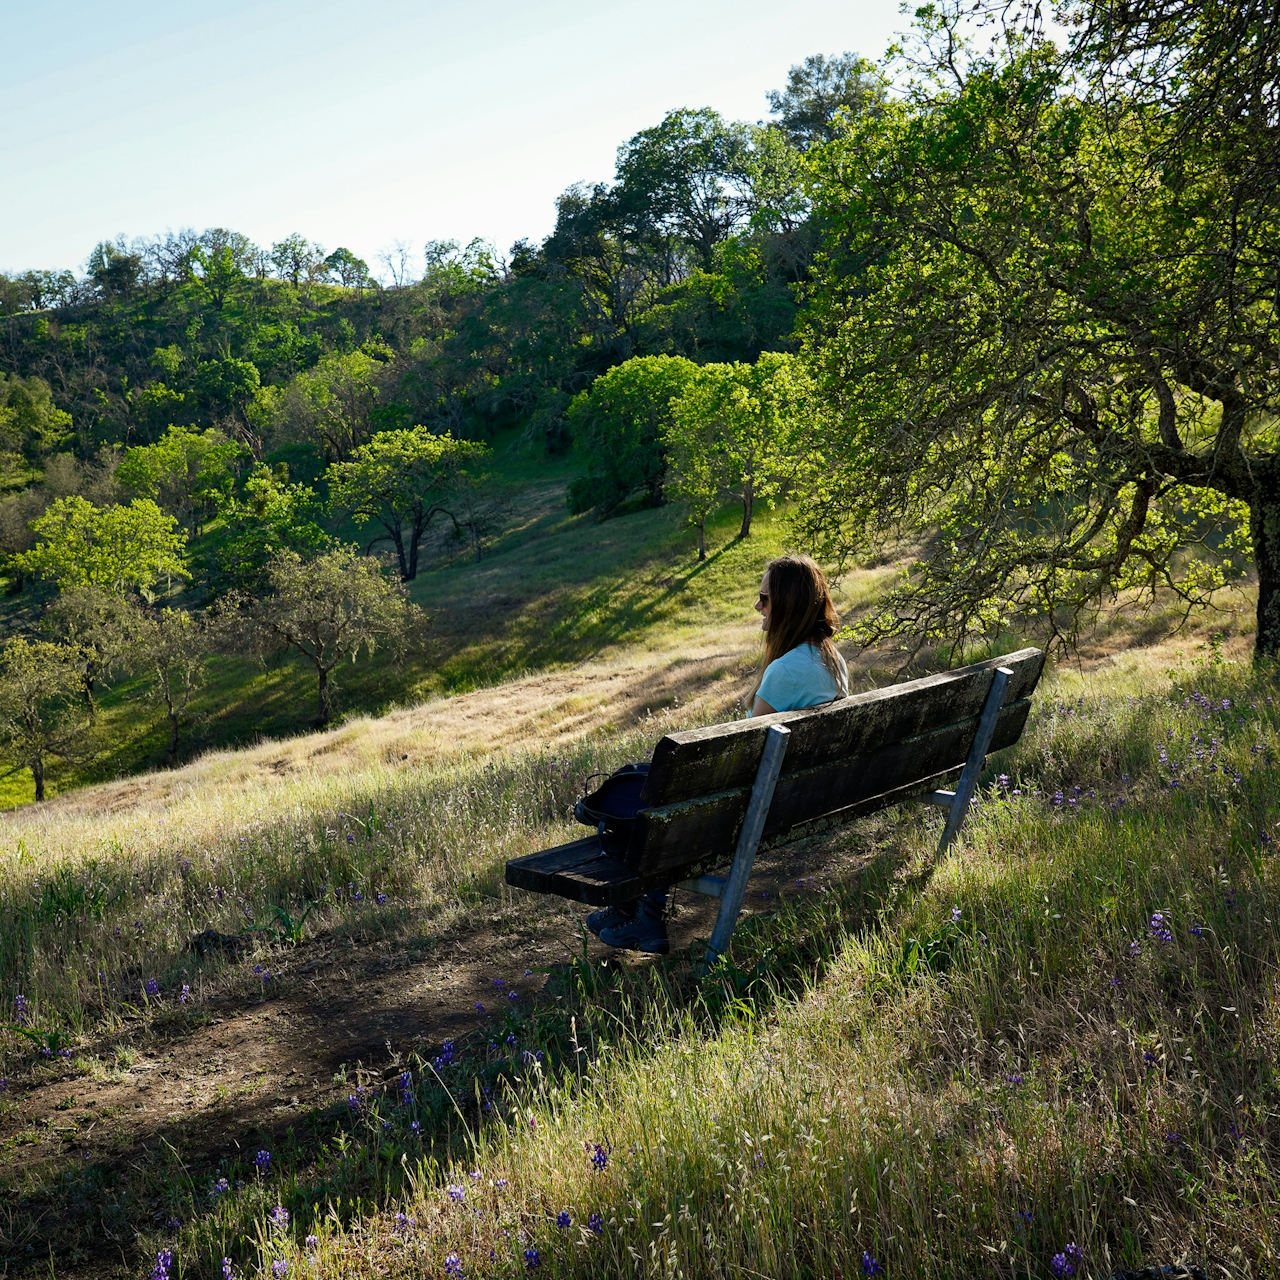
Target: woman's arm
pixel 761 708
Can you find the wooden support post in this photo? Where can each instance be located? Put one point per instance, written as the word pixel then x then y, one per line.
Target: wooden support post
pixel 735 885
pixel 957 802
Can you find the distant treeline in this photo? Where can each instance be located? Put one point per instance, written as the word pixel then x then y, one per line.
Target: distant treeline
pixel 698 248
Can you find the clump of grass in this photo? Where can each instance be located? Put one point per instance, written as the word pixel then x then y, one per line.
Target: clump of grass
pixel 1053 1051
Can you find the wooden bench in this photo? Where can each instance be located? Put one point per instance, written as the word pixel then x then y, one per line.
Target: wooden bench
pixel 721 793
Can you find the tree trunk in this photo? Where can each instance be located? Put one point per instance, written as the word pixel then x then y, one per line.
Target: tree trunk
pixel 173 738
pixel 748 501
pixel 323 717
pixel 1264 526
pixel 37 772
pixel 702 538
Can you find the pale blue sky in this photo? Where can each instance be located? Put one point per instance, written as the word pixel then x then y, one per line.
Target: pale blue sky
pixel 362 124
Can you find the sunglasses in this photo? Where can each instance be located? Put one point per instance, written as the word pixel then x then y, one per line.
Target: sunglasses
pixel 764 597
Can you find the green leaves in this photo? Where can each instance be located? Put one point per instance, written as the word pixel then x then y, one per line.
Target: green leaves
pixel 115 547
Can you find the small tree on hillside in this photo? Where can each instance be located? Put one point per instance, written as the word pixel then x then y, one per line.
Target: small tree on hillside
pixel 116 548
pixel 328 609
pixel 273 517
pixel 99 625
pixel 172 648
pixel 401 480
pixel 185 472
pixel 698 472
pixel 747 415
pixel 42 713
pixel 619 424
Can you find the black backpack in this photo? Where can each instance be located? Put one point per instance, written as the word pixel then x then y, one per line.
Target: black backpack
pixel 612 807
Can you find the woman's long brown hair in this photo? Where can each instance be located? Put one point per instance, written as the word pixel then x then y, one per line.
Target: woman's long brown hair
pixel 801 612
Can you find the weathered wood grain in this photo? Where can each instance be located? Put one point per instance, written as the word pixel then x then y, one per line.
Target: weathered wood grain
pixel 663 838
pixel 699 762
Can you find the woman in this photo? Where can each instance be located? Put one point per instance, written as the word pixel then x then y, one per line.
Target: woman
pixel 801 669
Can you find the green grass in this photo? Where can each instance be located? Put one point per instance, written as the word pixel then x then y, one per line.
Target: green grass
pixel 870 1071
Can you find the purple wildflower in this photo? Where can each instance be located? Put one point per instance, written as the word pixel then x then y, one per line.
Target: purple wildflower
pixel 1174 1139
pixel 595 1223
pixel 1014 1079
pixel 453 1265
pixel 870 1267
pixel 1160 929
pixel 312 1241
pixel 479 1007
pixel 280 1218
pixel 1025 1215
pixel 563 1219
pixel 474 1175
pixel 227 1272
pixel 599 1158
pixel 456 1192
pixel 1135 948
pixel 513 995
pixel 262 1161
pixel 1197 931
pixel 164 1260
pixel 185 994
pixel 415 1127
pixel 382 899
pixel 280 1267
pixel 532 1259
pixel 1061 1266
pixel 20 1008
pixel 221 1187
pixel 404 1224
pixel 152 987
pixel 955 915
pixel 501 1182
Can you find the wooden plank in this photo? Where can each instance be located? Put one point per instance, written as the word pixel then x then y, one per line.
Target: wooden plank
pixel 701 762
pixel 537 867
pixel 664 838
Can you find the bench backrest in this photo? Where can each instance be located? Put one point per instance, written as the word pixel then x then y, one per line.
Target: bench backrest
pixel 846 758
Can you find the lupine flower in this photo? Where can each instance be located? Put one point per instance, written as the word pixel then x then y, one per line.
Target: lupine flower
pixel 501 1182
pixel 406 1087
pixel 1197 931
pixel 153 987
pixel 599 1158
pixel 404 1224
pixel 1135 948
pixel 280 1267
pixel 312 1241
pixel 513 995
pixel 595 1223
pixel 870 1267
pixel 4 1083
pixel 174 1224
pixel 453 1265
pixel 221 1187
pixel 263 1161
pixel 164 1260
pixel 563 1219
pixel 955 915
pixel 280 1217
pixel 185 994
pixel 479 1007
pixel 511 1038
pixel 474 1175
pixel 456 1192
pixel 1160 929
pixel 1174 1139
pixel 227 1272
pixel 1025 1215
pixel 382 898
pixel 20 1008
pixel 64 1053
pixel 528 973
pixel 415 1127
pixel 1061 1266
pixel 1149 1057
pixel 532 1259
pixel 1014 1079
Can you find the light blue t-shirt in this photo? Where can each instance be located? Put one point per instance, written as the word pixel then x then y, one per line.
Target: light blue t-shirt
pixel 800 679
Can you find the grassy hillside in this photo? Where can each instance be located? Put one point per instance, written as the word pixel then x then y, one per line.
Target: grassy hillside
pixel 551 590
pixel 959 1068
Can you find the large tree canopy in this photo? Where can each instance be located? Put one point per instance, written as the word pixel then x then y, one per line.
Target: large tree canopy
pixel 1046 329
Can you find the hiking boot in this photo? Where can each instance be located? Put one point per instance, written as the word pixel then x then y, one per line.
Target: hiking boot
pixel 645 931
pixel 610 916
